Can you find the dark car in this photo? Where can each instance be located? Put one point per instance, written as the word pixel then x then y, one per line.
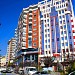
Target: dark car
pixel 3 71
pixel 41 73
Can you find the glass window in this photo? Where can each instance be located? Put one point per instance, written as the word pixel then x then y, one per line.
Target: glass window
pixel 60 22
pixel 48 46
pixel 46 52
pixel 70 37
pixel 48 40
pixel 62 38
pixel 34 44
pixel 61 32
pixel 62 44
pixel 48 30
pixel 64 32
pixel 47 20
pixel 34 38
pixel 30 27
pixel 48 35
pixel 48 25
pixel 61 27
pixel 62 11
pixel 66 43
pixel 65 37
pixel 59 12
pixel 60 17
pixel 34 24
pixel 64 26
pixel 45 30
pixel 30 41
pixel 63 16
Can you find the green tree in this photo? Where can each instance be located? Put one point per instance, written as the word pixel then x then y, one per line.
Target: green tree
pixel 71 67
pixel 48 61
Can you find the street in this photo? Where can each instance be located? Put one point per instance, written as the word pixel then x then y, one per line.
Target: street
pixel 8 74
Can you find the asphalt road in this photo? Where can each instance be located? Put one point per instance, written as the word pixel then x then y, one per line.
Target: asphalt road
pixel 8 74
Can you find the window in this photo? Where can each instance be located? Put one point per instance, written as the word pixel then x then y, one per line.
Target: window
pixel 66 43
pixel 52 40
pixel 62 11
pixel 64 32
pixel 73 37
pixel 60 22
pixel 48 25
pixel 61 27
pixel 59 12
pixel 34 29
pixel 47 20
pixel 64 26
pixel 45 16
pixel 65 37
pixel 70 37
pixel 48 5
pixel 34 24
pixel 48 30
pixel 62 44
pixel 30 41
pixel 60 17
pixel 72 26
pixel 34 44
pixel 57 39
pixel 62 38
pixel 48 40
pixel 48 35
pixel 63 16
pixel 61 32
pixel 48 46
pixel 34 33
pixel 30 27
pixel 45 30
pixel 46 52
pixel 34 38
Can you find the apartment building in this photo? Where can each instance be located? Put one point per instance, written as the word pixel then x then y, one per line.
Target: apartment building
pixel 28 33
pixel 46 29
pixel 3 61
pixel 58 29
pixel 11 50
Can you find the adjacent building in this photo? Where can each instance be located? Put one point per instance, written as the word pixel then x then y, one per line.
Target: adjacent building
pixel 58 29
pixel 3 61
pixel 11 50
pixel 28 33
pixel 46 29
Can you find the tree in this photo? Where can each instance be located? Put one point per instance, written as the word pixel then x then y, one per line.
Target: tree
pixel 48 61
pixel 71 67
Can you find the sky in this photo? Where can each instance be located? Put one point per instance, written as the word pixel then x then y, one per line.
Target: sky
pixel 9 13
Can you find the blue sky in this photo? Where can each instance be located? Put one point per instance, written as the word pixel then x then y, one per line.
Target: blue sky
pixel 9 14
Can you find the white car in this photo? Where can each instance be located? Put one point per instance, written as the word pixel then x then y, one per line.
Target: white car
pixel 30 70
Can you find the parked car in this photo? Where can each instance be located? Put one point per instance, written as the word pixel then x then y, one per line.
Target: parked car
pixel 72 73
pixel 21 72
pixel 30 70
pixel 3 70
pixel 41 73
